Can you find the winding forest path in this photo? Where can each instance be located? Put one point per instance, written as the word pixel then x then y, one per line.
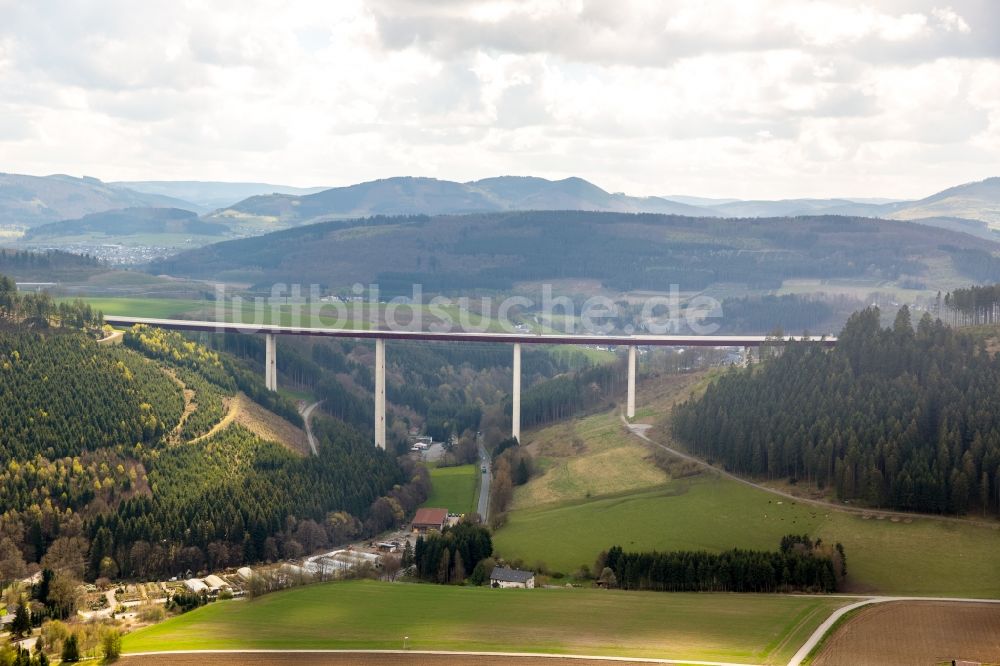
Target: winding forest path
pixel 307 418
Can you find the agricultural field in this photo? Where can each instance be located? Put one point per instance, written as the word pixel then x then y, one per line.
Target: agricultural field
pixel 157 308
pixel 901 633
pixel 408 658
pixel 375 615
pixel 454 488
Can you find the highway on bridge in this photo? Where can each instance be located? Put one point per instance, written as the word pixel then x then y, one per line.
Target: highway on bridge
pixel 630 342
pixel 468 336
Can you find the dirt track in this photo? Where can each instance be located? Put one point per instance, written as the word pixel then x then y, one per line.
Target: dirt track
pixel 909 633
pixel 359 659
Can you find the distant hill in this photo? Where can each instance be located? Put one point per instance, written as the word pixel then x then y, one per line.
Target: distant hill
pixel 622 251
pixel 430 196
pixel 33 200
pixel 969 202
pixel 795 207
pixel 127 222
pixel 978 201
pixel 212 195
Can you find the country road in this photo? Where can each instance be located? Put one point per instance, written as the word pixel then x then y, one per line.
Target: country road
pixel 307 416
pixel 640 429
pixel 483 508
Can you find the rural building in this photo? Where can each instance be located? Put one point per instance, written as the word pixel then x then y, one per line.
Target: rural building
pixel 245 573
pixel 195 585
pixel 506 577
pixel 215 584
pixel 428 519
pixel 340 561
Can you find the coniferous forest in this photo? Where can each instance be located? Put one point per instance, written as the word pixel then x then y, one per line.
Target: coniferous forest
pixel 900 417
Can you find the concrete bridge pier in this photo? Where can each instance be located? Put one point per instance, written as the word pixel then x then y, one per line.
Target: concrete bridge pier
pixel 630 408
pixel 380 393
pixel 515 412
pixel 270 362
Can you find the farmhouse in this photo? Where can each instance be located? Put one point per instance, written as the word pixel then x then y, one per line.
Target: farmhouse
pixel 428 519
pixel 506 577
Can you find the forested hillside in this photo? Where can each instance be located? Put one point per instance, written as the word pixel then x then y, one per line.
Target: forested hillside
pixel 456 254
pixel 105 470
pixel 894 417
pixel 62 395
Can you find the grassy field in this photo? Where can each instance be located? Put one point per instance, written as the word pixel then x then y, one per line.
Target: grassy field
pixel 583 458
pixel 454 488
pixel 594 455
pixel 349 315
pixel 144 307
pixel 920 557
pixel 372 615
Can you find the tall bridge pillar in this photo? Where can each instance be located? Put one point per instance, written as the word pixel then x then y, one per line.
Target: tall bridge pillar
pixel 515 412
pixel 270 363
pixel 380 393
pixel 630 409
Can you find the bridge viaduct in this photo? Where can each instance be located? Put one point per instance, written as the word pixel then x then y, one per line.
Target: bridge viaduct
pixel 631 342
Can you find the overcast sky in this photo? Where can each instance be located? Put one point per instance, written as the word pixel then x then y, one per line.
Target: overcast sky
pixel 744 99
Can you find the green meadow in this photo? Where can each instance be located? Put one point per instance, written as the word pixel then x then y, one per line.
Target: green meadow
pixel 376 615
pixel 454 488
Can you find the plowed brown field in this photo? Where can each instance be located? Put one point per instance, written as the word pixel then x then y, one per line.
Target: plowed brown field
pixel 909 633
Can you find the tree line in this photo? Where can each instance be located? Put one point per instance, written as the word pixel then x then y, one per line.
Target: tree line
pixel 800 565
pixel 974 305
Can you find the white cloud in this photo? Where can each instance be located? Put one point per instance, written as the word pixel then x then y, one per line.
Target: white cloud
pixel 950 19
pixel 768 98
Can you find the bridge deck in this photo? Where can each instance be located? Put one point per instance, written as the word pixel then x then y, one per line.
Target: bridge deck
pixel 469 336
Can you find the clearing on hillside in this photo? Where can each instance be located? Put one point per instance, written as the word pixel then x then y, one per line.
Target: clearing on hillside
pixel 265 424
pixel 594 455
pixel 376 615
pixel 902 633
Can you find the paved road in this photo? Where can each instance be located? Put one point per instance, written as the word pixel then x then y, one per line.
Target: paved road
pixel 640 429
pixel 484 489
pixel 307 416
